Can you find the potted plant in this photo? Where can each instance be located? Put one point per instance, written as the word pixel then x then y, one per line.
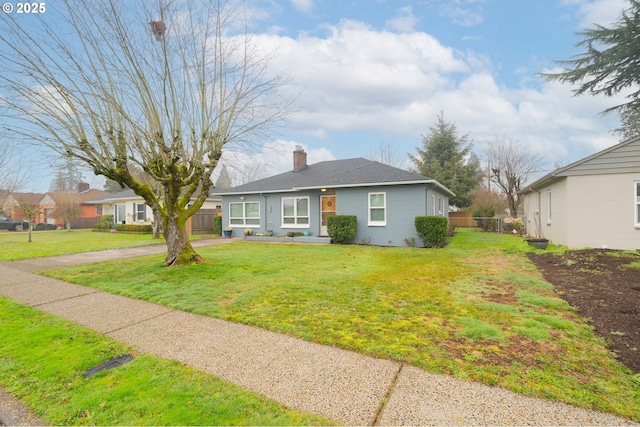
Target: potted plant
pixel 227 232
pixel 248 232
pixel 538 243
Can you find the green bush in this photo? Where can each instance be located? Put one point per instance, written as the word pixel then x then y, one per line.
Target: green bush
pixel 486 213
pixel 134 228
pixel 217 225
pixel 432 230
pixel 105 222
pixel 342 228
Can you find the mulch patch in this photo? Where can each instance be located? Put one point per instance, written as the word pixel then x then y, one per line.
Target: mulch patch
pixel 603 287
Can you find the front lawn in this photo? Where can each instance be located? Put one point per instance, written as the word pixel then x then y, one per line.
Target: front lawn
pixel 15 245
pixel 43 359
pixel 477 309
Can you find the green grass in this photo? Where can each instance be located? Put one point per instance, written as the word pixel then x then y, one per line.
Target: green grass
pixel 15 246
pixel 477 309
pixel 43 358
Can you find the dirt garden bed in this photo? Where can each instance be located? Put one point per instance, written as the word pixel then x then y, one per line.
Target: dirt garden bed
pixel 603 286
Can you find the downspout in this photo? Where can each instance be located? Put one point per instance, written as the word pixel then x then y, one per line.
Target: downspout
pixel 536 215
pixel 266 220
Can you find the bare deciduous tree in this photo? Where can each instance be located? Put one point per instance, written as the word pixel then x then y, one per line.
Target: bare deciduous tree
pixel 162 85
pixel 12 173
pixel 67 208
pixel 385 154
pixel 248 171
pixel 30 209
pixel 512 166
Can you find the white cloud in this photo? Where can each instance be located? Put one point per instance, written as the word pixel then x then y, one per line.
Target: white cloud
pixel 356 73
pixel 356 78
pixel 404 21
pixel 304 6
pixel 460 12
pixel 603 12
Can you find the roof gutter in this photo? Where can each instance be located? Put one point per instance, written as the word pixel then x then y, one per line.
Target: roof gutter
pixel 319 187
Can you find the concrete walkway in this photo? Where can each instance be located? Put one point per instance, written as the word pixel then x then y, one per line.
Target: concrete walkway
pixel 346 387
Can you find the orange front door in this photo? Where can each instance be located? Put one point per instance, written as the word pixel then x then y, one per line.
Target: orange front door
pixel 328 204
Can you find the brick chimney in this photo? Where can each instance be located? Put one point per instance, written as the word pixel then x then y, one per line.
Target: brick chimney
pixel 82 187
pixel 299 158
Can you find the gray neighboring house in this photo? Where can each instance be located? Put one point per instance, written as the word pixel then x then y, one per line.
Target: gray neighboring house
pixel 385 200
pixel 594 202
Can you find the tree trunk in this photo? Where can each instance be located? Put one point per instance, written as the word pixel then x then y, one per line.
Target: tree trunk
pixel 179 249
pixel 156 224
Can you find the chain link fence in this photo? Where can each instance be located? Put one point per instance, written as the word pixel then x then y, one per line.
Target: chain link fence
pixel 493 224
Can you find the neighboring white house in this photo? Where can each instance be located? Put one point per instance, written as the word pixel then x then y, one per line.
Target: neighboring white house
pixel 594 202
pixel 129 208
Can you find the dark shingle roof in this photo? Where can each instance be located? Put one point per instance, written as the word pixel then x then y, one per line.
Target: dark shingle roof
pixel 333 174
pixel 126 194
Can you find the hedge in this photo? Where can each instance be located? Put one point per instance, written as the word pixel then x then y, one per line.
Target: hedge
pixel 217 225
pixel 134 228
pixel 432 230
pixel 342 228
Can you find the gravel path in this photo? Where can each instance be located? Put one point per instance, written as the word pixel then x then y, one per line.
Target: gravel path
pixel 346 387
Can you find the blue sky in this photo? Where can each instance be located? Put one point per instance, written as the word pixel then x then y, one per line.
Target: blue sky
pixel 379 72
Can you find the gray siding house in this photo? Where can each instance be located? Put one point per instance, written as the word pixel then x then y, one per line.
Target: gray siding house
pixel 594 202
pixel 385 200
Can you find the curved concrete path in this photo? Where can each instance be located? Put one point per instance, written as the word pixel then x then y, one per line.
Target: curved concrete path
pixel 346 387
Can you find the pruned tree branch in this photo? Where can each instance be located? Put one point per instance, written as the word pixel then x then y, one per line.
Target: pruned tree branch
pixel 160 86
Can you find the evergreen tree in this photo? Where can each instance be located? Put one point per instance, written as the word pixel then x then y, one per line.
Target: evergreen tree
pixel 68 176
pixel 629 123
pixel 610 62
pixel 224 179
pixel 447 158
pixel 111 186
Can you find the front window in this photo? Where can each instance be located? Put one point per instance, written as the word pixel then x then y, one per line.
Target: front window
pixel 244 214
pixel 141 210
pixel 377 209
pixel 295 212
pixel 636 202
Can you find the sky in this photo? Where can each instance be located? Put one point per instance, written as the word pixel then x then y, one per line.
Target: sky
pixel 379 72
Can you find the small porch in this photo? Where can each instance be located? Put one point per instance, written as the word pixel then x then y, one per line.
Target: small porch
pixel 297 239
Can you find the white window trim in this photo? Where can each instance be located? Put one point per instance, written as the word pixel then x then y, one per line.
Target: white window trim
pixel 549 207
pixel 295 213
pixel 244 216
pixel 370 222
pixel 137 212
pixel 636 203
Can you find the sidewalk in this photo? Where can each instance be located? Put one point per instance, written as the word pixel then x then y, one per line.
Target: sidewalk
pixel 346 387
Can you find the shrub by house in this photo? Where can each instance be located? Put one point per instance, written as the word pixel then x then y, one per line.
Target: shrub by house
pixel 432 230
pixel 342 228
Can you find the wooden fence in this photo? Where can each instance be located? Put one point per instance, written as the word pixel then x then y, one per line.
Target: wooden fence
pixel 202 221
pixel 462 219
